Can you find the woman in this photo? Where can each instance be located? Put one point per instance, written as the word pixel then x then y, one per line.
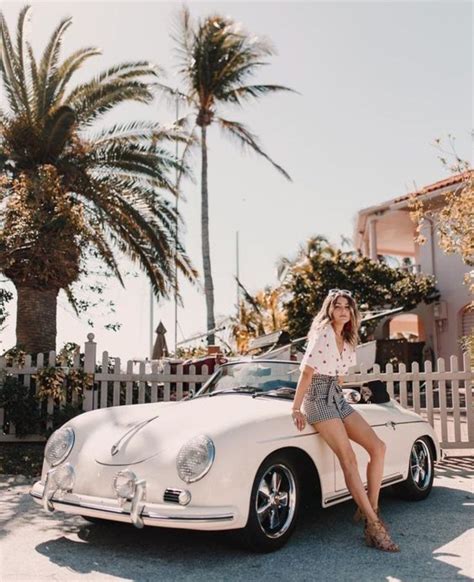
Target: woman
pixel 331 351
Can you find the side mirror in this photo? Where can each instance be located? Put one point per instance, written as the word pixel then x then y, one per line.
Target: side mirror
pixel 351 395
pixel 190 395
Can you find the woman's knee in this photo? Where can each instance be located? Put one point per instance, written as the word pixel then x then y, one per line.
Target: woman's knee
pixel 378 448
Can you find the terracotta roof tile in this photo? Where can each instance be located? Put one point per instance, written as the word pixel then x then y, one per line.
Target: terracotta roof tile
pixel 455 179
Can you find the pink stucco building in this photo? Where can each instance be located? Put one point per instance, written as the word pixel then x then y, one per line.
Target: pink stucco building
pixel 387 230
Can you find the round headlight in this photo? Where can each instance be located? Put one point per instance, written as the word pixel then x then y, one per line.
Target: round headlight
pixel 195 458
pixel 59 446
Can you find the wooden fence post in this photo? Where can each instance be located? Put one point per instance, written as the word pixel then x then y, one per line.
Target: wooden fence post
pixel 90 354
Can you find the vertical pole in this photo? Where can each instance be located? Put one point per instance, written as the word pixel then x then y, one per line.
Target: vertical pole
pixel 373 239
pixel 176 242
pixel 90 353
pixel 151 321
pixel 237 272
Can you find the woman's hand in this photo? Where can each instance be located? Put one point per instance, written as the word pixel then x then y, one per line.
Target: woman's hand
pixel 299 419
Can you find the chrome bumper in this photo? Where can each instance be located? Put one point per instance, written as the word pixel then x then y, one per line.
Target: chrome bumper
pixel 134 511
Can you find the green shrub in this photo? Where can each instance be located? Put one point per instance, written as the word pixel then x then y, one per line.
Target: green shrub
pixel 21 407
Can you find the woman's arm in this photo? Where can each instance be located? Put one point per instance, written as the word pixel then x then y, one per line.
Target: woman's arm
pixel 303 383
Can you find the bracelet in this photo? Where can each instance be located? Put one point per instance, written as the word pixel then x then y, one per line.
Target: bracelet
pixel 296 409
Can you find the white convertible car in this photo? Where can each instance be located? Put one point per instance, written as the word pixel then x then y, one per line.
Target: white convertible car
pixel 228 458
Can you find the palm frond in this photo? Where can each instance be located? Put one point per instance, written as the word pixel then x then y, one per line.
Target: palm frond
pixel 141 238
pixel 23 82
pixel 104 97
pixel 57 130
pixel 35 81
pixel 183 36
pixel 129 70
pixel 240 94
pixel 66 70
pixel 47 66
pixel 96 236
pixel 171 95
pixel 122 71
pixel 72 300
pixel 149 162
pixel 138 131
pixel 248 140
pixel 9 69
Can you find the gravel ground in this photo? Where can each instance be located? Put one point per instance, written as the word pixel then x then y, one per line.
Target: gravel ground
pixel 435 535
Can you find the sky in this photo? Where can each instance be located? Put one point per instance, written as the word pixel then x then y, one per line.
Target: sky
pixel 377 83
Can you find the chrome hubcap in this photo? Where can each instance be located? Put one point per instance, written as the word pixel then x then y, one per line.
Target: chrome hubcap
pixel 275 501
pixel 421 464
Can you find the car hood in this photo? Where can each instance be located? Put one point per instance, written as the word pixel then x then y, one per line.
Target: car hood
pixel 126 435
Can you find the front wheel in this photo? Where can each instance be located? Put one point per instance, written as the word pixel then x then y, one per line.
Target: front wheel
pixel 274 503
pixel 419 482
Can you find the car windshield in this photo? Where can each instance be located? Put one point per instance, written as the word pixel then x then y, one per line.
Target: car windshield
pixel 254 378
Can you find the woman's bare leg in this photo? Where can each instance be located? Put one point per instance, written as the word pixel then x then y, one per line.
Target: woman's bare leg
pixel 334 433
pixel 360 431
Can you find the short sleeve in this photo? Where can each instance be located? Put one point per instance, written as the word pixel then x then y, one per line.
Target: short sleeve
pixel 313 350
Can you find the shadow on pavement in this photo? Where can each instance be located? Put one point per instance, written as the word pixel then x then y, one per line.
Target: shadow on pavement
pixel 456 466
pixel 325 540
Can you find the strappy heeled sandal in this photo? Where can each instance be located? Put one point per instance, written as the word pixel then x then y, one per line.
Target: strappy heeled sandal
pixel 360 515
pixel 377 536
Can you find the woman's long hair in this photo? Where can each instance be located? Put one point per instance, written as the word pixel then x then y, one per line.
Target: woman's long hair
pixel 350 330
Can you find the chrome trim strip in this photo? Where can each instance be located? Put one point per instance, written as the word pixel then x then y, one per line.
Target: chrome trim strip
pixel 109 508
pixel 225 517
pixel 116 446
pixel 149 514
pixel 346 493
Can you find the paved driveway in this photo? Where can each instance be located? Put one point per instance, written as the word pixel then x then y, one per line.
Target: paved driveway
pixel 436 538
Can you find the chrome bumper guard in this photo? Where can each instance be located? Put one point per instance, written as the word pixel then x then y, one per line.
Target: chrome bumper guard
pixel 138 505
pixel 135 509
pixel 58 480
pixel 137 499
pixel 48 492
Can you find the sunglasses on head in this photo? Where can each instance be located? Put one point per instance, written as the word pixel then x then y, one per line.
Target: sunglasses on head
pixel 342 291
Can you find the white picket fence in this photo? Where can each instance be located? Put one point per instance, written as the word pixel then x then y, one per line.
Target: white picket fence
pixel 442 396
pixel 138 383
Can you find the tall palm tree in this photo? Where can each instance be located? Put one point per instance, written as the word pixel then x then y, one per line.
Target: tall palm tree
pixel 68 193
pixel 215 60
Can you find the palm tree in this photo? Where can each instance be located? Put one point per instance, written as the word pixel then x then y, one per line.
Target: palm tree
pixel 258 315
pixel 67 193
pixel 216 59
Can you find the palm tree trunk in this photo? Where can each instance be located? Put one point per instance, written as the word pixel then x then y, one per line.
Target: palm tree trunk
pixel 206 252
pixel 36 319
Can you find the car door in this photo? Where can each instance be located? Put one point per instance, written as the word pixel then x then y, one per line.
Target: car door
pixel 383 419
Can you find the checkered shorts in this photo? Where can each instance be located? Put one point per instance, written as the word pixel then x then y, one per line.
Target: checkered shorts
pixel 324 400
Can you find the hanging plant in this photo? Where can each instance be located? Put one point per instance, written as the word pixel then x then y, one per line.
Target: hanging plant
pixel 78 380
pixel 50 383
pixel 15 357
pixel 56 383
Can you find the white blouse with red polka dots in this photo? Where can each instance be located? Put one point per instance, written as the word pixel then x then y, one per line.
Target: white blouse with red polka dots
pixel 322 354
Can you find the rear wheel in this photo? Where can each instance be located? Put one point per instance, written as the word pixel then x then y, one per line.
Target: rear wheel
pixel 419 481
pixel 274 504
